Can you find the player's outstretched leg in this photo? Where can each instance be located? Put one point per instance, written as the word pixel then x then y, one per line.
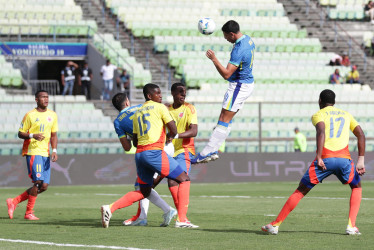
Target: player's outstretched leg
pixel 12 203
pixel 291 203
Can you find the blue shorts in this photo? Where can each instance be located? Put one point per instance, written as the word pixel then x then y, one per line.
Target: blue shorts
pixel 184 161
pixel 150 161
pixel 343 168
pixel 39 168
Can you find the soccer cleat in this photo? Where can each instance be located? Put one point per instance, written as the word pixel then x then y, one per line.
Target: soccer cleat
pixel 352 230
pixel 270 229
pixel 214 156
pixel 128 222
pixel 140 222
pixel 106 214
pixel 30 216
pixel 168 217
pixel 186 224
pixel 11 207
pixel 200 159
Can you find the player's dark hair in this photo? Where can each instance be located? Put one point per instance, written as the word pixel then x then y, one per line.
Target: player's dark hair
pixel 176 85
pixel 40 91
pixel 231 26
pixel 148 89
pixel 118 100
pixel 327 96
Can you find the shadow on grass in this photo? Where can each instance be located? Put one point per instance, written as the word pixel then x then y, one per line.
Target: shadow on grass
pixel 259 232
pixel 91 223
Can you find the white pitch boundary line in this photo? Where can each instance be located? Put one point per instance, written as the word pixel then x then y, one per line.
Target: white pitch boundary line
pixel 252 197
pixel 69 245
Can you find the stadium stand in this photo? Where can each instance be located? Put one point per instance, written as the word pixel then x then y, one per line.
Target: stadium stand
pixel 290 71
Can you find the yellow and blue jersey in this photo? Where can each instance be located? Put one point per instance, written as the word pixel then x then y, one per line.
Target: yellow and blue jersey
pixel 338 123
pixel 183 116
pixel 242 56
pixel 123 124
pixel 149 125
pixel 35 122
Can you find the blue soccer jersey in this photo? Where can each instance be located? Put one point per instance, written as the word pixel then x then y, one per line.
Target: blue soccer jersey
pixel 123 122
pixel 242 56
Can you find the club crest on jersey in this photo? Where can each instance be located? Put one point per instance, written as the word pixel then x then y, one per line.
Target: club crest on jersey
pixel 49 118
pixel 38 175
pixel 181 114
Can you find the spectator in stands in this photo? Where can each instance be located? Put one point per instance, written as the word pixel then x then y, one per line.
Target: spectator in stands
pixel 123 82
pixel 369 11
pixel 85 80
pixel 353 75
pixel 68 77
pixel 345 60
pixel 299 141
pixel 107 72
pixel 335 78
pixel 336 60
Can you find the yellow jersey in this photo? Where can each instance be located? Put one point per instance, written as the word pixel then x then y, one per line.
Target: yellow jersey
pixel 183 116
pixel 149 126
pixel 338 123
pixel 35 122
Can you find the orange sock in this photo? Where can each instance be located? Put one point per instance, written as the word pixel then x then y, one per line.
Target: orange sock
pixel 174 194
pixel 22 197
pixel 290 204
pixel 126 200
pixel 30 204
pixel 354 206
pixel 183 200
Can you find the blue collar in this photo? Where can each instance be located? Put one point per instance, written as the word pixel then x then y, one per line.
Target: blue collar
pixel 241 38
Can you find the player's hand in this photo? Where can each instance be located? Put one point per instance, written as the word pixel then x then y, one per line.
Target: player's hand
pixel 360 166
pixel 39 137
pixel 321 164
pixel 54 157
pixel 210 54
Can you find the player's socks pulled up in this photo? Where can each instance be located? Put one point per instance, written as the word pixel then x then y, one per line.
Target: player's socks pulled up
pixel 126 200
pixel 291 203
pixel 354 206
pixel 183 199
pixel 30 204
pixel 174 194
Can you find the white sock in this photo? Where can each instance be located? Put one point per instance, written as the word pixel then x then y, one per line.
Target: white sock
pixel 216 139
pixel 155 198
pixel 144 205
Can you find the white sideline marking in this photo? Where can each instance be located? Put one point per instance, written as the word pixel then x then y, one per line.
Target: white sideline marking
pixel 255 197
pixel 69 245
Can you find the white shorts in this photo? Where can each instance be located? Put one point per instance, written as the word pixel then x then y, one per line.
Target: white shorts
pixel 236 95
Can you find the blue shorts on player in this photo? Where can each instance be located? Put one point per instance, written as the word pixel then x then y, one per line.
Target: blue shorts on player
pixel 184 161
pixel 150 161
pixel 343 168
pixel 39 168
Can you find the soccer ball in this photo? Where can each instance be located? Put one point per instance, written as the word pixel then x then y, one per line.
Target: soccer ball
pixel 206 26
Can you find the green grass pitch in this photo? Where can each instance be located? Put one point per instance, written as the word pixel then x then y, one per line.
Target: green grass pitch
pixel 229 216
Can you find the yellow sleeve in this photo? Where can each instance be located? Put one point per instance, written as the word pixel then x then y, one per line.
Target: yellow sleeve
pixel 55 125
pixel 165 115
pixel 192 115
pixel 25 124
pixel 316 118
pixel 353 123
pixel 135 125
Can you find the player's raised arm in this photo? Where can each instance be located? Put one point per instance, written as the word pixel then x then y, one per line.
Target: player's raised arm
pixel 320 137
pixel 360 166
pixel 224 72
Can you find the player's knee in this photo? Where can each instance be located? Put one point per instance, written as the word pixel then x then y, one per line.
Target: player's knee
pixel 146 191
pixel 38 185
pixel 184 177
pixel 43 188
